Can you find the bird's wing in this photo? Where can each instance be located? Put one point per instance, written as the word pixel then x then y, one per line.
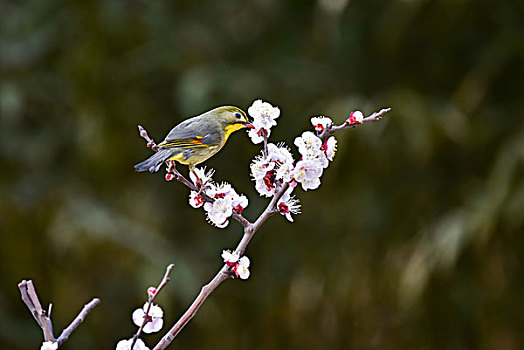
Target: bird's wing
pixel 194 142
pixel 188 135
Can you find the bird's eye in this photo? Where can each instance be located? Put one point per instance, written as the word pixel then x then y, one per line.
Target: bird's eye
pixel 238 115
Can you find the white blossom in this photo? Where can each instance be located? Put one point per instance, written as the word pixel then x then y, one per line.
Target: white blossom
pixel 219 211
pixel 196 200
pixel 49 345
pixel 239 265
pixel 219 191
pixel 266 185
pixel 154 319
pixel 288 204
pixel 242 269
pixel 307 173
pixel 310 147
pixel 199 176
pixel 279 153
pixel 285 172
pixel 308 144
pixel 256 134
pixel 260 166
pixel 270 171
pixel 330 147
pixel 264 115
pixel 239 202
pixel 321 123
pixel 230 257
pixel 225 201
pixel 125 344
pixel 263 174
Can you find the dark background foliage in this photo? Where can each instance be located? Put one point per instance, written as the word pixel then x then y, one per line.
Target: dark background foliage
pixel 414 240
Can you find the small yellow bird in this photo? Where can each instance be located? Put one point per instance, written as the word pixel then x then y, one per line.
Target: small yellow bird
pixel 197 139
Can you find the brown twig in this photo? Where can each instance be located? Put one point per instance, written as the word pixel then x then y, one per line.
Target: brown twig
pixel 264 149
pixel 151 297
pixel 76 322
pixel 30 298
pixel 150 142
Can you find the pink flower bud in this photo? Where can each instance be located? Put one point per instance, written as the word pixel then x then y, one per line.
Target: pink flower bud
pixel 142 131
pixel 169 177
pixel 355 117
pixel 151 291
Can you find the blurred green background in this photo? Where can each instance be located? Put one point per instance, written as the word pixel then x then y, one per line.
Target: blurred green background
pixel 414 240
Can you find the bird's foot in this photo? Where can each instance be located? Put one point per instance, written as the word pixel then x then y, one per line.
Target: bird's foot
pixel 199 183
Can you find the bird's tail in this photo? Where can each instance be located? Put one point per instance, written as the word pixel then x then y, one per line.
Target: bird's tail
pixel 153 163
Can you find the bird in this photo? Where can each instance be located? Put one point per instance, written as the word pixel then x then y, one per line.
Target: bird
pixel 197 139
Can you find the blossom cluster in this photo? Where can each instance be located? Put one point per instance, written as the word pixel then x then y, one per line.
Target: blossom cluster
pixel 264 115
pixel 225 200
pixel 152 315
pixel 275 165
pixel 240 265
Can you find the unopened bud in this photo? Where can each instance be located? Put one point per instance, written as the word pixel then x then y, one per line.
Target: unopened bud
pixel 142 131
pixel 355 117
pixel 151 291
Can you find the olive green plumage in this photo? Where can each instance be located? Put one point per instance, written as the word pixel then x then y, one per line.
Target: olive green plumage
pixel 197 139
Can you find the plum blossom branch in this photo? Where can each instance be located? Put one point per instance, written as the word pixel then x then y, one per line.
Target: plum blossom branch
pixel 275 174
pixel 43 317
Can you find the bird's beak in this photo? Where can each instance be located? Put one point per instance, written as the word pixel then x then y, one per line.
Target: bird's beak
pixel 249 125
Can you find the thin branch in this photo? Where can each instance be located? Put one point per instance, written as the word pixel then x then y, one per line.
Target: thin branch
pixel 334 128
pixel 265 136
pixel 151 297
pixel 206 290
pixel 31 300
pixel 242 220
pixel 171 169
pixel 77 321
pixel 270 210
pixel 150 142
